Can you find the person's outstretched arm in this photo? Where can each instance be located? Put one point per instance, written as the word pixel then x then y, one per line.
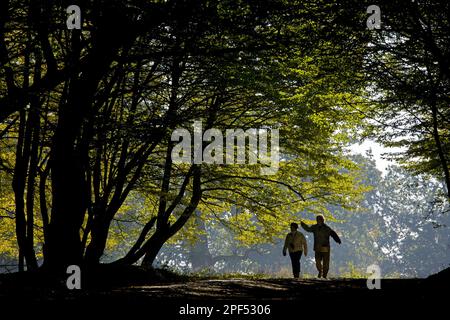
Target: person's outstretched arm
pixel 335 237
pixel 306 227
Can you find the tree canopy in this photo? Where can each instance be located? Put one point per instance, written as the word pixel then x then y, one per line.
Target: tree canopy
pixel 87 118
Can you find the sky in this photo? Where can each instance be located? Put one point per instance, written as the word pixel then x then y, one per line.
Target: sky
pixel 377 151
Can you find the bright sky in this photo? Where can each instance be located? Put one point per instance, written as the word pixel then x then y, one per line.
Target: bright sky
pixel 377 151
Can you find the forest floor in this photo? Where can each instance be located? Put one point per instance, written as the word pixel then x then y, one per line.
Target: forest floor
pixel 176 296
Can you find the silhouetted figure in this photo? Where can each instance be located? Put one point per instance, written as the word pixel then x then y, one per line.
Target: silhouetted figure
pixel 322 234
pixel 296 244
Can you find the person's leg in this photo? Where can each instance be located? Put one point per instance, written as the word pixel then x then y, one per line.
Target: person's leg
pixel 326 263
pixel 299 264
pixel 291 255
pixel 318 258
pixel 295 260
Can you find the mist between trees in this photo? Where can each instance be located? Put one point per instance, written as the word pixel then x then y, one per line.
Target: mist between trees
pixel 86 117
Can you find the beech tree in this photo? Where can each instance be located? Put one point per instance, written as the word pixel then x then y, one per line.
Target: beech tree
pixel 93 111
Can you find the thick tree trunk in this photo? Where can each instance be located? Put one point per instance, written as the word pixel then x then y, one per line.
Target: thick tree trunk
pixel 99 237
pixel 68 205
pixel 67 212
pixel 68 171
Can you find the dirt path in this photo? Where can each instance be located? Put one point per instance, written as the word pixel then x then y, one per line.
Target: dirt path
pixel 336 296
pixel 285 289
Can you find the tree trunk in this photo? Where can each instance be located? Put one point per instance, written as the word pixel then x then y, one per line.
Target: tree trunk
pixel 99 237
pixel 199 255
pixel 68 178
pixel 129 258
pixel 164 232
pixel 32 172
pixel 18 185
pixel 152 248
pixel 68 170
pixel 439 147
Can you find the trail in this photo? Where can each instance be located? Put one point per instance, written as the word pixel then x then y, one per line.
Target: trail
pixel 346 297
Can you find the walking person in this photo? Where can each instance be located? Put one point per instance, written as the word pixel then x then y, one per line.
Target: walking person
pixel 296 244
pixel 322 234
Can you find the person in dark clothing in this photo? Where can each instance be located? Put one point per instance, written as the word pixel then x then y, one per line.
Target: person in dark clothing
pixel 296 244
pixel 322 234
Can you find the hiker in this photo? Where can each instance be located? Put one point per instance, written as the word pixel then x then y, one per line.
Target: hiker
pixel 296 244
pixel 322 234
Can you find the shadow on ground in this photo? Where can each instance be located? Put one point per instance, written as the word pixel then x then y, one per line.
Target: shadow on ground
pixel 114 290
